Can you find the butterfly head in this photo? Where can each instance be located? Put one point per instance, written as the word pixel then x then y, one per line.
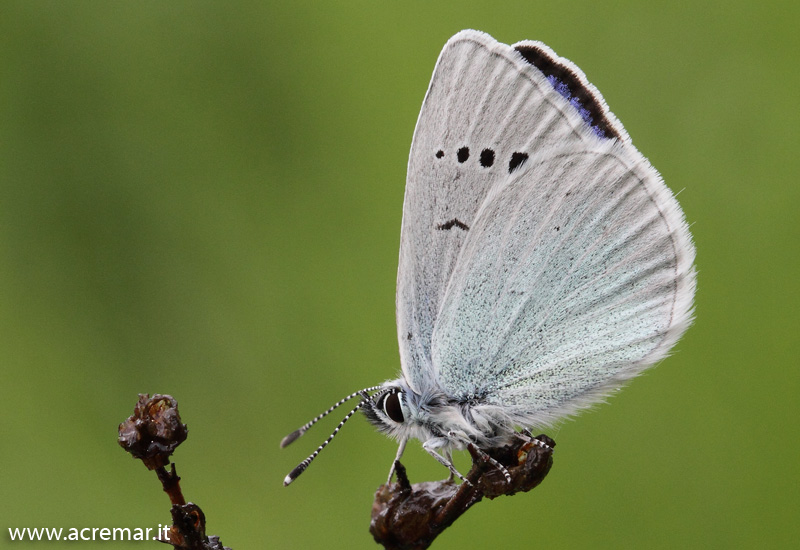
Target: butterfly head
pixel 393 410
pixel 403 413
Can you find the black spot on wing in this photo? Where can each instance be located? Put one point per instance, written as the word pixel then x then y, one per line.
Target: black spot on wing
pixel 447 226
pixel 517 160
pixel 487 158
pixel 439 154
pixel 463 154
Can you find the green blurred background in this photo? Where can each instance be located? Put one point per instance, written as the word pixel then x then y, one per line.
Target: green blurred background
pixel 204 199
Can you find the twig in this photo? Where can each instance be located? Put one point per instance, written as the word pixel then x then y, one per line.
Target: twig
pixel 152 434
pixel 410 517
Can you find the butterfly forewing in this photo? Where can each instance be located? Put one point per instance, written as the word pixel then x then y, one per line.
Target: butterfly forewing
pixel 487 111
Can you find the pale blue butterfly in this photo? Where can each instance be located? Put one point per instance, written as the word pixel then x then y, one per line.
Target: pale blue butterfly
pixel 543 262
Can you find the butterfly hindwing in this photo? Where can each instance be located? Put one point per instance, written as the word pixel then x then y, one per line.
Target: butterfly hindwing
pixel 576 275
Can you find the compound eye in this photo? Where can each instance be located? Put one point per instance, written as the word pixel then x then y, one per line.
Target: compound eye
pixel 391 406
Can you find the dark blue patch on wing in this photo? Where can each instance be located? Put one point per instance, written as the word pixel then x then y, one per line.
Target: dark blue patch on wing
pixel 569 86
pixel 586 115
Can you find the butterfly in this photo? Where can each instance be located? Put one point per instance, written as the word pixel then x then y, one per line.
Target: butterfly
pixel 543 261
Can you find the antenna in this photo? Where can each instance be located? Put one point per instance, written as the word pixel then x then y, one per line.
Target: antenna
pixel 300 468
pixel 300 431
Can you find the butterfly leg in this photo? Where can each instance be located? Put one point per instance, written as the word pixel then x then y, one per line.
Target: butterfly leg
pixel 449 456
pixel 465 440
pixel 397 457
pixel 430 447
pixel 527 437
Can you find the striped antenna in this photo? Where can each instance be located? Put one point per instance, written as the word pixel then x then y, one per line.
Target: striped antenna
pixel 300 431
pixel 365 398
